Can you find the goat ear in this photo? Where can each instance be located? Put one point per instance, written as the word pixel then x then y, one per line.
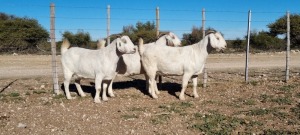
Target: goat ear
pixel 173 36
pixel 210 32
pixel 118 36
pixel 124 41
pixel 162 34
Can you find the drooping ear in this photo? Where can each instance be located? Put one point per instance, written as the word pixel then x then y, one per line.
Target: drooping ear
pixel 209 47
pixel 118 42
pixel 124 40
pixel 118 35
pixel 210 32
pixel 162 34
pixel 169 40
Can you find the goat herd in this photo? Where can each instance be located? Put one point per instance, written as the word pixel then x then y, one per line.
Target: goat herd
pixel 123 58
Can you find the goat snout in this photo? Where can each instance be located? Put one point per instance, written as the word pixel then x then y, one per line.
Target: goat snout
pixel 134 50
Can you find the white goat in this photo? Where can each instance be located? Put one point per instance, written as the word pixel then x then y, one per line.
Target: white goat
pixel 99 64
pixel 187 61
pixel 130 64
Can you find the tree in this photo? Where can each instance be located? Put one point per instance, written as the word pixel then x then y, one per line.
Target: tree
pixel 20 34
pixel 80 39
pixel 265 41
pixel 238 44
pixel 193 37
pixel 145 30
pixel 279 27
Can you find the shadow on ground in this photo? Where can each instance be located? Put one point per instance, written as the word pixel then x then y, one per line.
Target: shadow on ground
pixel 138 84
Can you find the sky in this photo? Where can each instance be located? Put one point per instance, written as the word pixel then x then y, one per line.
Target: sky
pixel 178 16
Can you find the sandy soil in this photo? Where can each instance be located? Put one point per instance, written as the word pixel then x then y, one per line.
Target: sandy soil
pixel 265 105
pixel 32 65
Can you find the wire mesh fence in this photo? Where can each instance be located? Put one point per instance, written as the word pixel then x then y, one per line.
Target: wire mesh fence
pixel 180 21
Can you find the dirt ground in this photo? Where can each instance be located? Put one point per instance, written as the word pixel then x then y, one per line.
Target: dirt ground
pixel 265 105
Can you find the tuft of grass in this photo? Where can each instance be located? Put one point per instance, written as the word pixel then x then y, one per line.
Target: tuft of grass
pixel 296 110
pixel 185 104
pixel 27 93
pixel 249 102
pixel 47 103
pixel 264 98
pixel 254 83
pixel 280 115
pixel 259 111
pixel 60 96
pixel 2 95
pixel 14 94
pixel 282 100
pixel 139 109
pixel 160 119
pixel 280 132
pixel 38 92
pixel 176 107
pixel 298 95
pixel 129 116
pixel 14 97
pixel 216 123
pixel 287 88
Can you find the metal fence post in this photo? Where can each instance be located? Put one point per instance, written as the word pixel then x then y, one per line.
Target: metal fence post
pixel 248 44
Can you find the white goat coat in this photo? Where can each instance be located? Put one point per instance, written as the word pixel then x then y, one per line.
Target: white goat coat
pixel 99 64
pixel 130 64
pixel 187 61
pixel 85 63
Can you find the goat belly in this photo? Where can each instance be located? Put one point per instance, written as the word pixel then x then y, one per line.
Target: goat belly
pixel 168 73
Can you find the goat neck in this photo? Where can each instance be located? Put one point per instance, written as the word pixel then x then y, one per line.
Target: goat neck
pixel 203 46
pixel 112 51
pixel 161 41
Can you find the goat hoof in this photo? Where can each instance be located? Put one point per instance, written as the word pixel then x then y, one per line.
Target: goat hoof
pixel 105 99
pixel 157 92
pixel 181 98
pixel 97 101
pixel 111 95
pixel 196 96
pixel 58 92
pixel 70 98
pixel 83 95
pixel 154 96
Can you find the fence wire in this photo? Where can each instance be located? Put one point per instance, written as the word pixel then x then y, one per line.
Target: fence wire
pixel 237 28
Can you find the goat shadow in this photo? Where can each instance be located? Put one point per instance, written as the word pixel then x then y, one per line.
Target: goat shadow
pixel 138 84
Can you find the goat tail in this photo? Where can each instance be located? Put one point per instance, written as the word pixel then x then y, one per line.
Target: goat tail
pixel 141 46
pixel 65 45
pixel 101 44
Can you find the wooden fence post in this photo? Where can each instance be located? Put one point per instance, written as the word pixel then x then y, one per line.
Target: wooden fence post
pixel 53 49
pixel 108 25
pixel 157 33
pixel 287 71
pixel 248 44
pixel 203 35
